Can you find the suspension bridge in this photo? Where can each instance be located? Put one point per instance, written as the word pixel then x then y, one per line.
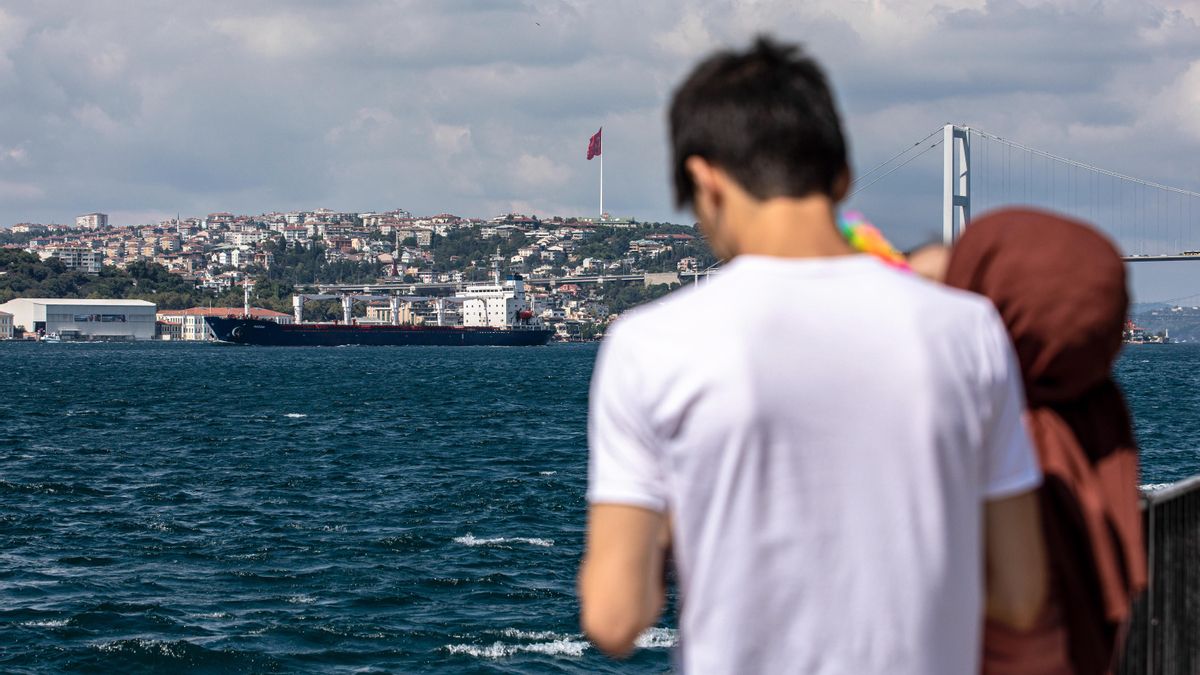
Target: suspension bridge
pixel 980 171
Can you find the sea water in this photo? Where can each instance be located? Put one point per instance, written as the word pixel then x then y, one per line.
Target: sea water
pixel 194 508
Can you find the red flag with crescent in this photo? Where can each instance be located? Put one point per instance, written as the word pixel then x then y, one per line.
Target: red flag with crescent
pixel 594 145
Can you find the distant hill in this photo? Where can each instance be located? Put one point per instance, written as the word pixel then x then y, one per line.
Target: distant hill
pixel 25 275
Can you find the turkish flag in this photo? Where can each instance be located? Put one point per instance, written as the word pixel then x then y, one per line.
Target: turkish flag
pixel 594 145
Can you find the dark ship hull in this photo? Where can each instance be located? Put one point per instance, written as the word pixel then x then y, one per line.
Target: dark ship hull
pixel 268 333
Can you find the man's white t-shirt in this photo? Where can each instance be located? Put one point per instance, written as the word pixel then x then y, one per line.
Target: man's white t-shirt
pixel 824 434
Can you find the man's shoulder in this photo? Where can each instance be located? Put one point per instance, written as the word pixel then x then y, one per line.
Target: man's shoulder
pixel 658 317
pixel 935 299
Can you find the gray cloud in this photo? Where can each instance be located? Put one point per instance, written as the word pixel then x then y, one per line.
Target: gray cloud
pixel 144 108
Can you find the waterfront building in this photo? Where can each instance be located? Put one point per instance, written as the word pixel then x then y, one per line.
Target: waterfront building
pixel 92 220
pixel 191 321
pixel 166 330
pixel 83 318
pixel 6 326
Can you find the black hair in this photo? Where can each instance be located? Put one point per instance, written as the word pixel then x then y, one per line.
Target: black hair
pixel 766 116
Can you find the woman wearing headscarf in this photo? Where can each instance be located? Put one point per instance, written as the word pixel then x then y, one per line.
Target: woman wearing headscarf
pixel 1059 285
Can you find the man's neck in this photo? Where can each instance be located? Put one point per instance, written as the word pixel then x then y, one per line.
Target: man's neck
pixel 803 227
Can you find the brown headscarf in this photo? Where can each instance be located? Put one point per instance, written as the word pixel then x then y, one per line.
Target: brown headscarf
pixel 1059 285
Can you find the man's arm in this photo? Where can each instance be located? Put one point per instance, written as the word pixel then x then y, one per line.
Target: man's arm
pixel 620 581
pixel 1016 560
pixel 1015 555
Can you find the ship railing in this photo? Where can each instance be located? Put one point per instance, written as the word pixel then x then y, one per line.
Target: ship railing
pixel 1164 632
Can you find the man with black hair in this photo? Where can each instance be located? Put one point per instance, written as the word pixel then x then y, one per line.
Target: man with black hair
pixel 838 460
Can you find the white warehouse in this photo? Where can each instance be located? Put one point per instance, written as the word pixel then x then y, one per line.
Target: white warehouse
pixel 84 319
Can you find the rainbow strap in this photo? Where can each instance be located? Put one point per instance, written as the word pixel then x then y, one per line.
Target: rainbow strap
pixel 866 238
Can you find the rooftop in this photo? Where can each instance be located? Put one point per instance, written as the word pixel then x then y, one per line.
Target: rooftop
pixel 85 301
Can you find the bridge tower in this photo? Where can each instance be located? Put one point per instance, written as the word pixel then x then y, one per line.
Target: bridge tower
pixel 956 181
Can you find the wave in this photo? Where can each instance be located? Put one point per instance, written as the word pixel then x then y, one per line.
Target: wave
pixel 471 540
pixel 46 623
pixel 295 416
pixel 1154 487
pixel 555 644
pixel 658 638
pixel 177 649
pixel 531 634
pixel 147 655
pixel 52 488
pixel 547 473
pixel 214 615
pixel 499 650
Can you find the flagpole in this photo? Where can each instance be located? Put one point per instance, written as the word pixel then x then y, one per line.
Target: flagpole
pixel 602 185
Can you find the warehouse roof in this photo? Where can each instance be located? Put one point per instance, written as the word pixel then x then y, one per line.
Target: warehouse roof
pixel 85 301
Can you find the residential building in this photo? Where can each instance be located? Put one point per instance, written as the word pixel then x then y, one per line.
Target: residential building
pixel 6 326
pixel 295 233
pixel 76 258
pixel 244 238
pixel 92 221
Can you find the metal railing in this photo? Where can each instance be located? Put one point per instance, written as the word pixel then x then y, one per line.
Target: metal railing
pixel 1164 633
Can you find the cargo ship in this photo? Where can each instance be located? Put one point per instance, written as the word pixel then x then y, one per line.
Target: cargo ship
pixel 493 315
pixel 1134 334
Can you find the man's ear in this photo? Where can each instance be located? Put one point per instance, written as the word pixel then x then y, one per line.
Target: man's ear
pixel 705 179
pixel 841 185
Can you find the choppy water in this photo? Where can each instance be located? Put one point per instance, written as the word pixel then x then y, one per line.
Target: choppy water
pixel 191 508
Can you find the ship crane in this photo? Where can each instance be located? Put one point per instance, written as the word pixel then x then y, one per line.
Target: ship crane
pixel 348 300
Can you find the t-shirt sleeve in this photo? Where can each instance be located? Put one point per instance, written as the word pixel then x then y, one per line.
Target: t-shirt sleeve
pixel 1009 460
pixel 624 459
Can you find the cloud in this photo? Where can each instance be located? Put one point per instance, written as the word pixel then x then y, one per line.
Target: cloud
pixel 275 36
pixel 16 154
pixel 1175 105
pixel 473 107
pixel 689 38
pixel 451 139
pixel 20 191
pixel 538 171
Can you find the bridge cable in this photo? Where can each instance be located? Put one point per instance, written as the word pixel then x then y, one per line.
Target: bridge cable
pixel 860 178
pixel 1084 165
pixel 895 169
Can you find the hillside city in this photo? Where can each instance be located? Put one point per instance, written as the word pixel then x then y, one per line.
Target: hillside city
pixel 183 263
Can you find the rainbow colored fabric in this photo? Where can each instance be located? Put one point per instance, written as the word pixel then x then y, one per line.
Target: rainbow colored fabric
pixel 867 238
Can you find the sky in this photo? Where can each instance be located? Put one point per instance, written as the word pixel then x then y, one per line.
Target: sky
pixel 147 108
